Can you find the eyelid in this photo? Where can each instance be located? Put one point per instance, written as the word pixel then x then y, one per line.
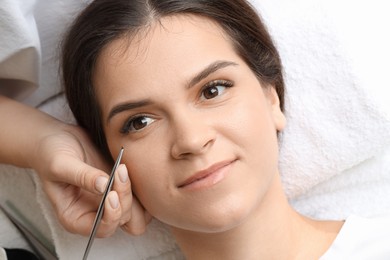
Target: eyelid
pixel 222 82
pixel 214 83
pixel 126 126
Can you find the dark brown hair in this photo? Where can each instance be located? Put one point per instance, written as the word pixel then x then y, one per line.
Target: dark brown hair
pixel 105 20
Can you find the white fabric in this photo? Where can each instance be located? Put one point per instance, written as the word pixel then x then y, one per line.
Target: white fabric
pixel 335 150
pixel 3 254
pixel 19 48
pixel 335 119
pixel 29 44
pixel 18 188
pixel 361 239
pixel 362 190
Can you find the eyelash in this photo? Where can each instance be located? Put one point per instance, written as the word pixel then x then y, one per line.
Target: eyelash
pixel 216 83
pixel 129 124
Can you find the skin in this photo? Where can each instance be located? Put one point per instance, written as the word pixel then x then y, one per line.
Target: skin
pixel 72 171
pixel 180 128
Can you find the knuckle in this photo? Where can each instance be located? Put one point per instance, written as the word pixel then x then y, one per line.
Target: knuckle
pixel 132 229
pixel 105 233
pixel 55 166
pixel 111 220
pixel 81 177
pixel 68 222
pixel 125 219
pixel 126 200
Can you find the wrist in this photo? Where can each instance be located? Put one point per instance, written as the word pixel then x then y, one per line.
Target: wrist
pixel 44 142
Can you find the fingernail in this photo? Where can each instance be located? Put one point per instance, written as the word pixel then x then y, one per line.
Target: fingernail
pixel 100 184
pixel 122 171
pixel 114 200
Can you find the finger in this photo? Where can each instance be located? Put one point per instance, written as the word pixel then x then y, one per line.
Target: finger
pixel 148 217
pixel 111 216
pixel 75 172
pixel 122 186
pixel 76 209
pixel 138 221
pixel 81 226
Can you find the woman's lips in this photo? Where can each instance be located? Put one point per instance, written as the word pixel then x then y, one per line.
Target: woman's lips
pixel 208 177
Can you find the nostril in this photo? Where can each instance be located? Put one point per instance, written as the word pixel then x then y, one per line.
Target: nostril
pixel 191 134
pixel 210 142
pixel 186 148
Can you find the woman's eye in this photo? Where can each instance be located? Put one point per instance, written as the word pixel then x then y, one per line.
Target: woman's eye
pixel 215 88
pixel 136 124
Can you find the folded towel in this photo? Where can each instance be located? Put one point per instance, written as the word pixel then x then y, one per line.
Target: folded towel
pixel 336 106
pixel 362 190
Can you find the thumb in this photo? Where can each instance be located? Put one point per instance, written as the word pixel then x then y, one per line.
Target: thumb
pixel 82 175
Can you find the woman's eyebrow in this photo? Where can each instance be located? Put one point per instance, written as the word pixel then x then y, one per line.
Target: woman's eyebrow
pixel 126 106
pixel 198 77
pixel 210 69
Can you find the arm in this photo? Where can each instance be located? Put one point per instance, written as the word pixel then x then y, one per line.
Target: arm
pixel 65 160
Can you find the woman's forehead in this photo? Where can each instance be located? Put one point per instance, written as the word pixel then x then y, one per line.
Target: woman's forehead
pixel 135 46
pixel 178 45
pixel 170 53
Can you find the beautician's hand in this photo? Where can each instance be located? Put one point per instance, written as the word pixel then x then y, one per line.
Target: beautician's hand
pixel 68 165
pixel 138 216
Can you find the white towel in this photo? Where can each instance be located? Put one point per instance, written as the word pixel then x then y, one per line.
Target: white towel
pixel 334 152
pixel 362 190
pixel 336 105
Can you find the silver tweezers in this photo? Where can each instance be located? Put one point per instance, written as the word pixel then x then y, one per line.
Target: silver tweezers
pixel 39 248
pixel 99 213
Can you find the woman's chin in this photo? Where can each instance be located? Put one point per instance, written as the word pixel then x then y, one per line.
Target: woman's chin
pixel 214 221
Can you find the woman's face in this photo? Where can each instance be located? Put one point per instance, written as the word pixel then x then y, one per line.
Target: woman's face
pixel 199 131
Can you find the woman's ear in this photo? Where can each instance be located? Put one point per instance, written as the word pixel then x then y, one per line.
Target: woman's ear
pixel 276 112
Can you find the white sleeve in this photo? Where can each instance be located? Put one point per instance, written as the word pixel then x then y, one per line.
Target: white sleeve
pixel 19 48
pixel 3 255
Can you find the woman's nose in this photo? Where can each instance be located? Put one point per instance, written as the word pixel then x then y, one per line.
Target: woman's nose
pixel 192 135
